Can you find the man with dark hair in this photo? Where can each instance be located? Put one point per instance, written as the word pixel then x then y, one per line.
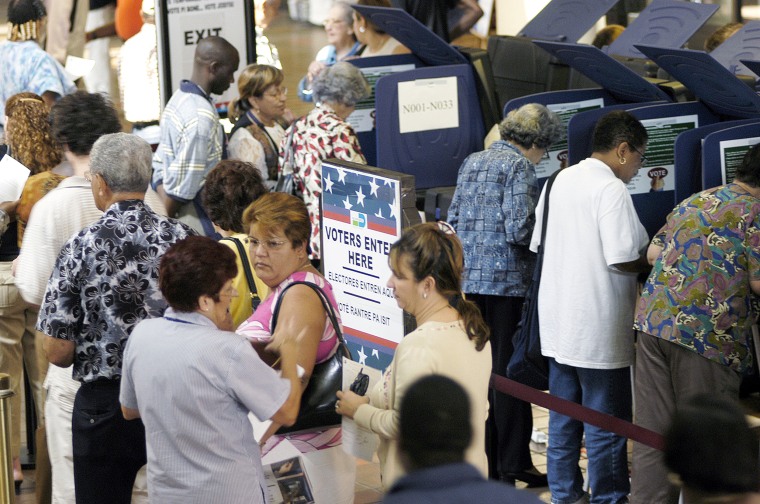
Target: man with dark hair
pixel 434 432
pixel 104 282
pixel 695 313
pixel 58 215
pixel 192 140
pixel 713 451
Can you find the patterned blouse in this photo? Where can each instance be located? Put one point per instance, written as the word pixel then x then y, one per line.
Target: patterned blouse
pixel 493 212
pixel 698 294
pixel 319 135
pixel 104 282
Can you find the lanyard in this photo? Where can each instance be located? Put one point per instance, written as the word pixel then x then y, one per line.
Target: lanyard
pixel 263 128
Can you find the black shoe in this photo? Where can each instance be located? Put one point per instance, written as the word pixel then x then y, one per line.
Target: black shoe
pixel 532 477
pixel 17 484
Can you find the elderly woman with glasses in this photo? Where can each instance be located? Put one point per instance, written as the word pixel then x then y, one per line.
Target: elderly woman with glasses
pixel 493 213
pixel 198 450
pixel 324 133
pixel 260 119
pixel 278 229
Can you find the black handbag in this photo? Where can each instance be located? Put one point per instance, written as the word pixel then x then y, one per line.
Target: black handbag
pixel 527 365
pixel 255 299
pixel 318 400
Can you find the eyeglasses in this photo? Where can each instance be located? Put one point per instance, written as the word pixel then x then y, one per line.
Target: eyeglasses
pixel 643 157
pixel 229 292
pixel 546 154
pixel 328 22
pixel 268 245
pixel 88 176
pixel 275 93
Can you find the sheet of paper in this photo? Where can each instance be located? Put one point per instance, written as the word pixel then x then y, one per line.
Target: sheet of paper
pixel 13 176
pixel 78 67
pixel 286 482
pixel 428 104
pixel 358 441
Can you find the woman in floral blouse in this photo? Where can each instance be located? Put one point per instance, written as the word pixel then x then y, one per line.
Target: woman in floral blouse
pixel 695 313
pixel 324 133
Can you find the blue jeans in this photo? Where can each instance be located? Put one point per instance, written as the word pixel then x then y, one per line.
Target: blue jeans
pixel 605 390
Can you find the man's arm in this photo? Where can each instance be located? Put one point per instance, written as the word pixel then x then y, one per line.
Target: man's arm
pixel 60 352
pixel 471 12
pixel 129 413
pixel 172 205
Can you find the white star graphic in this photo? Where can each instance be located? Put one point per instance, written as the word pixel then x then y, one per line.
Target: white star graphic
pixel 328 184
pixel 347 204
pixel 362 357
pixel 375 353
pixel 341 175
pixel 393 210
pixel 389 182
pixel 379 213
pixel 360 197
pixel 373 188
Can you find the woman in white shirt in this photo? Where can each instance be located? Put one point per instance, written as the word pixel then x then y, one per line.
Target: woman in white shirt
pixel 260 119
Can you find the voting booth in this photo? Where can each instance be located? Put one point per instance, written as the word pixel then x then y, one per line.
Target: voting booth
pixel 430 118
pixel 364 210
pixel 723 151
pixel 742 45
pixel 520 68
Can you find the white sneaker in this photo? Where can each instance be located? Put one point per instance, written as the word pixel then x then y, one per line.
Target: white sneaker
pixel 538 437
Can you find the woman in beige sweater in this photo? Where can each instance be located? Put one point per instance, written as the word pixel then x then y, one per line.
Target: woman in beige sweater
pixel 451 339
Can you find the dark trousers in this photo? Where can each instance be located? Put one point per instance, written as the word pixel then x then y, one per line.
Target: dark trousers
pixel 108 450
pixel 510 420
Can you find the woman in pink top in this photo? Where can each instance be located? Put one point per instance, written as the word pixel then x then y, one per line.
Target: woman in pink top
pixel 278 231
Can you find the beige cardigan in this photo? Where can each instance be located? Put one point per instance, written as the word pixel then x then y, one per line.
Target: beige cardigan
pixel 433 348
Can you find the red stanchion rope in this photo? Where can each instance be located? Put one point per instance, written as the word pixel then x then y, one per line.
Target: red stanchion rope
pixel 578 412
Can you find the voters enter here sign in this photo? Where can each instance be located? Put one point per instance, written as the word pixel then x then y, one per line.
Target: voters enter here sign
pixel 361 219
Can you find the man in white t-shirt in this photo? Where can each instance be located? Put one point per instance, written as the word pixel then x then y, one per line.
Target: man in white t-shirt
pixel 593 249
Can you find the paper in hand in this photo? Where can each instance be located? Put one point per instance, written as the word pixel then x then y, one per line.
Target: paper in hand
pixel 13 176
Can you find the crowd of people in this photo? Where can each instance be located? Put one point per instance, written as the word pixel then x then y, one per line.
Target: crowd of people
pixel 165 298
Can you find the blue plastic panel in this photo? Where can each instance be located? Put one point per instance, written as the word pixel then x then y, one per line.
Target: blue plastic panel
pixel 742 45
pixel 402 26
pixel 688 156
pixel 620 81
pixel 566 20
pixel 664 23
pixel 652 207
pixel 752 65
pixel 710 81
pixel 368 139
pixel 433 157
pixel 712 174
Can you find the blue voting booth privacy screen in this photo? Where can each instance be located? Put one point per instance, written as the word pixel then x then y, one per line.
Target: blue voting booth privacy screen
pixel 663 23
pixel 433 156
pixel 566 20
pixel 710 81
pixel 722 152
pixel 688 157
pixel 742 45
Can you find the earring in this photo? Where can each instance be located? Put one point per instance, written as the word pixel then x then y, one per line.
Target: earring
pixel 622 160
pixel 362 29
pixel 424 295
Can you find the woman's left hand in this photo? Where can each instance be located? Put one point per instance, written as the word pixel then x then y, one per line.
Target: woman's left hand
pixel 348 403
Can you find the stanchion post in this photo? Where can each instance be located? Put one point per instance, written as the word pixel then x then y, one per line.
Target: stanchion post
pixel 7 490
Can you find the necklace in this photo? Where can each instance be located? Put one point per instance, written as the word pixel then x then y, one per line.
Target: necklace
pixel 420 322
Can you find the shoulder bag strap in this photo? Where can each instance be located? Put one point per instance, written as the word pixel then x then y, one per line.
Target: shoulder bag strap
pixel 255 299
pixel 325 304
pixel 545 217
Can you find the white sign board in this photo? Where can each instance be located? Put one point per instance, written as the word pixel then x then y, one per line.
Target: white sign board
pixel 428 104
pixel 183 23
pixel 361 219
pixel 658 174
pixel 731 155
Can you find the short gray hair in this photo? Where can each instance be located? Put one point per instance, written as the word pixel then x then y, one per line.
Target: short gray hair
pixel 341 83
pixel 532 124
pixel 124 162
pixel 348 11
